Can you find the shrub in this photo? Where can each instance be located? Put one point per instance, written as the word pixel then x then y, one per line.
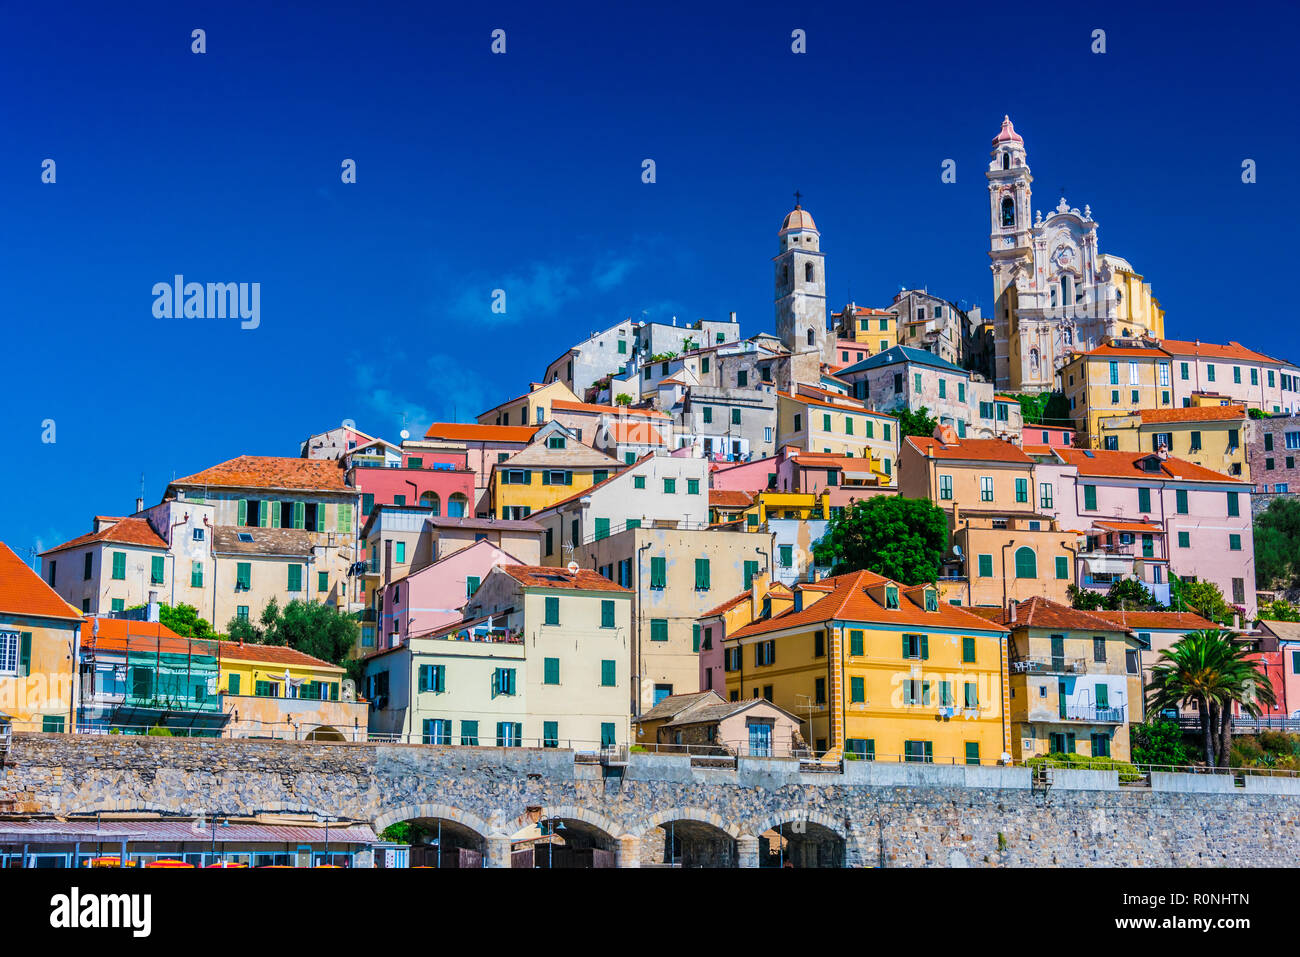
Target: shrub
pixel 1159 742
pixel 1082 762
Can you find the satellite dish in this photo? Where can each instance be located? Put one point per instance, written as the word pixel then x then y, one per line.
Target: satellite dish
pixel 574 568
pixel 404 434
pixel 956 550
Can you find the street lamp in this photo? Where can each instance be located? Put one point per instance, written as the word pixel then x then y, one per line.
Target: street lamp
pixel 549 827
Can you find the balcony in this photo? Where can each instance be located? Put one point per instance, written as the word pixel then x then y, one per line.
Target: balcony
pixel 1048 666
pixel 1092 715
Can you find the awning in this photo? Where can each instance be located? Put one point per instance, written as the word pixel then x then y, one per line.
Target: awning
pixel 1108 565
pixel 143 718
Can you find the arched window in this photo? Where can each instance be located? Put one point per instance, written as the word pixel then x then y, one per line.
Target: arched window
pixel 785 274
pixel 1026 562
pixel 809 273
pixel 431 501
pixel 1008 211
pixel 1006 161
pixel 456 506
pixel 810 338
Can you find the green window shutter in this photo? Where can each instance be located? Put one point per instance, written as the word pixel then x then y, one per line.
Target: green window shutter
pixel 701 574
pixel 602 528
pixel 244 575
pixel 856 643
pixel 275 514
pixel 399 552
pixel 119 565
pixel 471 585
pixel 552 610
pixel 345 516
pixel 322 581
pixel 233 685
pixel 670 486
pixel 925 647
pixel 658 572
pixel 599 476
pixel 196 574
pixel 299 514
pixel 632 523
pixel 986 566
pixel 157 569
pixel 658 629
pixel 551 671
pixel 607 673
pixel 1180 497
pixel 1234 507
pixel 945 694
pixel 320 516
pixel 367 503
pixel 607 613
pixel 1022 490
pixel 971 699
pixel 1144 500
pixel 264 514
pixel 695 639
pixel 638 481
pixel 1062 567
pixel 24 654
pixel 243 513
pixel 692 486
pixel 751 569
pixel 968 649
pixel 972 752
pixel 857 690
pixel 1090 497
pixel 295 577
pixel 550 734
pixel 1103 696
pixel 826 423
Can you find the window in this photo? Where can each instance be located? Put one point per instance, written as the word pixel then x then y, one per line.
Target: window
pixel 432 678
pixel 943 388
pixel 295 577
pixel 986 566
pixel 658 629
pixel 692 486
pixel 1180 501
pixel 1090 498
pixel 916 380
pixel 670 486
pixel 1026 562
pixel 707 413
pixel 916 646
pixel 765 653
pixel 1234 507
pixel 919 751
pixel 798 423
pixel 972 752
pixel 786 556
pixel 1062 567
pixel 701 574
pixel 503 681
pixel 552 610
pixel 658 572
pixel 986 488
pixel 945 486
pixel 857 690
pixel 15 653
pixel 855 643
pixel 509 734
pixel 735 417
pixel 1184 540
pixel 1022 490
pixel 550 671
pixel 1183 371
pixel 970 695
pixel 608 673
pixel 968 649
pixel 1234 543
pixel 819 691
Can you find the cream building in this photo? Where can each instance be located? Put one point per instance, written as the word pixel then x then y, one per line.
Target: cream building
pixel 1209 435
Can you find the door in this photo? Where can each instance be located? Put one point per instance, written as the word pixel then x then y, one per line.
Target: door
pixel 760 740
pixel 1058 652
pixel 1060 699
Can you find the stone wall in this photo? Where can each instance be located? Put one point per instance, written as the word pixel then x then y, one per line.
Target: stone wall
pixel 876 814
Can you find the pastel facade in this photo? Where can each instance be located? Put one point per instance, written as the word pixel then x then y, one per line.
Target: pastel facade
pixel 839 426
pixel 1116 379
pixel 271 690
pixel 532 408
pixel 1210 436
pixel 878 671
pixel 441 482
pixel 38 645
pixel 1231 373
pixel 877 329
pixel 484 446
pixel 931 324
pixel 705 723
pixel 762 597
pixel 551 468
pixel 601 354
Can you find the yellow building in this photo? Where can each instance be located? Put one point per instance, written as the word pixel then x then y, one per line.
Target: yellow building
pixel 549 469
pixel 718 624
pixel 1070 688
pixel 1209 435
pixel 1117 378
pixel 878 670
pixel 799 505
pixel 38 644
pixel 876 328
pixel 532 408
pixel 819 421
pixel 278 691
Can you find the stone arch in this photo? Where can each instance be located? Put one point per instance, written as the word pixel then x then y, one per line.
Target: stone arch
pixel 791 815
pixel 607 824
pixel 688 814
pixel 407 812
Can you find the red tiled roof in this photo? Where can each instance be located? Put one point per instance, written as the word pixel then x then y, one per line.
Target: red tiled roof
pixel 1036 449
pixel 730 498
pixel 473 432
pixel 1211 350
pixel 117 634
pixel 1193 413
pixel 1100 462
pixel 634 433
pixel 829 460
pixel 981 450
pixel 266 471
pixel 1129 526
pixel 1039 612
pixel 1157 620
pixel 126 531
pixel 22 592
pixel 1129 352
pixel 274 654
pixel 540 576
pixel 727 605
pixel 564 405
pixel 849 601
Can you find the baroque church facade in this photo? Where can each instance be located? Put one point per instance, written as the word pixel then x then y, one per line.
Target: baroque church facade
pixel 1054 292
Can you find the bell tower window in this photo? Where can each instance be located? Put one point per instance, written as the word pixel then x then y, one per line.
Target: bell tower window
pixel 1006 161
pixel 810 338
pixel 809 273
pixel 1008 212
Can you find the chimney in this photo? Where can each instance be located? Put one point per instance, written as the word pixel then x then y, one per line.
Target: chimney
pixel 139 505
pixel 151 608
pixel 1012 609
pixel 733 315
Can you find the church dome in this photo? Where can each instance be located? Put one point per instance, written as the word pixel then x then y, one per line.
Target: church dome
pixel 798 218
pixel 1008 133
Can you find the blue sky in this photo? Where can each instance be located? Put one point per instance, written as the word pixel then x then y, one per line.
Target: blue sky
pixel 522 172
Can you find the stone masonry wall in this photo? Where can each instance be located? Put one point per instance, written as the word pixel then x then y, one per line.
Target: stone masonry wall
pixel 887 815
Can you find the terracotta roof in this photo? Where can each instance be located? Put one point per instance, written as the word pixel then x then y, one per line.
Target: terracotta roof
pixel 119 634
pixel 564 405
pixel 730 498
pixel 23 592
pixel 829 460
pixel 634 433
pixel 1127 352
pixel 1039 612
pixel 979 450
pixel 265 471
pixel 1193 413
pixel 1100 462
pixel 127 531
pixel 1157 620
pixel 1129 526
pixel 265 543
pixel 472 432
pixel 727 605
pixel 675 704
pixel 275 655
pixel 540 576
pixel 848 600
pixel 1211 350
pixel 847 404
pixel 1036 449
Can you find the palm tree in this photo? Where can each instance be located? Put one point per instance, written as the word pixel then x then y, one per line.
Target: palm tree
pixel 1208 668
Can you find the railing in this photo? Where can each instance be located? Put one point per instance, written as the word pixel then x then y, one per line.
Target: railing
pixel 1245 724
pixel 649 523
pixel 1094 714
pixel 1031 665
pixel 241 728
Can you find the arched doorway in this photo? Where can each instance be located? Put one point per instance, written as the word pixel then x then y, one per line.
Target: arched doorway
pixel 325 733
pixel 456 505
pixel 438 842
pixel 556 840
pixel 800 844
pixel 686 842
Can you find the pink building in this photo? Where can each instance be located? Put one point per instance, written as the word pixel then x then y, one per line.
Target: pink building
pixel 435 596
pixel 757 476
pixel 437 480
pixel 485 446
pixel 1202 517
pixel 846 479
pixel 1051 436
pixel 1285 672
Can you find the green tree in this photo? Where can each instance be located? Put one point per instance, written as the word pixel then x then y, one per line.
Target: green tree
pixel 1085 599
pixel 903 539
pixel 1204 598
pixel 1214 672
pixel 623 399
pixel 184 620
pixel 1279 609
pixel 1159 742
pixel 1127 593
pixel 1277 543
pixel 315 629
pixel 918 422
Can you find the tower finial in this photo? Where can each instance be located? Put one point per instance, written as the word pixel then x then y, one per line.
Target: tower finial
pixel 797 196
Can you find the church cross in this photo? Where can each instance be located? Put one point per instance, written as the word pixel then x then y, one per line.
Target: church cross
pixel 797 196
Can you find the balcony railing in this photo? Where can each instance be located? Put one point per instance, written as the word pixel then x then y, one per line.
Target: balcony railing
pixel 1031 665
pixel 1094 715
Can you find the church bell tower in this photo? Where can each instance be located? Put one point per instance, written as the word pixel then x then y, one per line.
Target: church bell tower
pixel 800 286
